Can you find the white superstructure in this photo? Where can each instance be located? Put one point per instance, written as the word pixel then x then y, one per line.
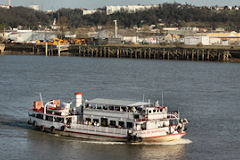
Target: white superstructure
pixel 108 119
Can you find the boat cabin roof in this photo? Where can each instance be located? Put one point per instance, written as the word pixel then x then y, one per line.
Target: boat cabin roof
pixel 112 102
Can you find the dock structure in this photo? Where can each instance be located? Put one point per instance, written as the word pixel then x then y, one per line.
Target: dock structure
pixel 2 48
pixel 173 52
pixel 163 53
pixel 33 49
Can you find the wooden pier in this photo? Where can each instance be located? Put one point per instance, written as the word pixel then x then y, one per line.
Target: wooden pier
pixel 33 49
pixel 170 52
pixel 163 53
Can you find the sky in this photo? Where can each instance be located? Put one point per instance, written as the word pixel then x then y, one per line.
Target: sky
pixel 93 4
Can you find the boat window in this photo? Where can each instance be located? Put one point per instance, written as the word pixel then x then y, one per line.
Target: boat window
pixel 96 120
pixel 129 125
pixel 149 111
pixel 104 122
pixel 105 108
pixel 160 110
pixel 113 123
pixel 143 126
pixel 136 116
pixel 59 119
pixel 124 109
pixel 88 119
pixel 121 124
pixel 33 115
pixel 139 109
pixel 40 116
pixel 56 113
pixel 49 118
pixel 111 107
pixel 69 120
pixel 154 110
pixel 117 108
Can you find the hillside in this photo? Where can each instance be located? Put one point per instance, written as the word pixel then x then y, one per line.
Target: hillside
pixel 174 15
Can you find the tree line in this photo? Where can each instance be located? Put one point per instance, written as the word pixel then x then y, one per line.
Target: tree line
pixel 172 15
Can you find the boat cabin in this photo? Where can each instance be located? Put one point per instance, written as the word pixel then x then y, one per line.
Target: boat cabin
pixel 123 114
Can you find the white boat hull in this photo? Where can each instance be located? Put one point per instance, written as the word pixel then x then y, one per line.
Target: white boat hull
pixel 101 136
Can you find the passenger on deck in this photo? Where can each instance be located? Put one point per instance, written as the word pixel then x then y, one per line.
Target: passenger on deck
pixel 134 109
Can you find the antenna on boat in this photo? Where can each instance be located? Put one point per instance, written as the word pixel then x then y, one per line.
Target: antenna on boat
pixel 178 112
pixel 143 98
pixel 40 94
pixel 162 98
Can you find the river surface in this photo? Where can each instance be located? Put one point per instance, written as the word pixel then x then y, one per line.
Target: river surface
pixel 207 93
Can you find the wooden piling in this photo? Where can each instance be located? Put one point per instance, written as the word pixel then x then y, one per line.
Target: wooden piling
pixel 194 54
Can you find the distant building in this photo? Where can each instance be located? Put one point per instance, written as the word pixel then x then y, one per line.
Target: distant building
pixel 35 7
pixel 196 29
pixel 54 26
pixel 5 6
pixel 86 12
pixel 196 40
pixel 128 8
pixel 23 36
pixel 51 11
pixel 203 29
pixel 170 29
pixel 219 29
pixel 214 39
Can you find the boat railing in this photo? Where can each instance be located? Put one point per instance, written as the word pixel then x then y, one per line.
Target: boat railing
pixel 121 131
pixel 112 111
pixel 173 115
pixel 100 112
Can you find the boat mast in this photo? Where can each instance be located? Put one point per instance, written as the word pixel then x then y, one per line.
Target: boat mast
pixel 162 98
pixel 40 94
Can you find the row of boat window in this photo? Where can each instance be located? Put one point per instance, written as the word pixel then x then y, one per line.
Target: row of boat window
pixel 123 109
pixel 114 108
pixel 105 123
pixel 155 111
pixel 51 118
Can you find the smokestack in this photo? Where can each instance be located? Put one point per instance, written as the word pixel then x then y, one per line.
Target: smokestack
pixel 115 21
pixel 78 99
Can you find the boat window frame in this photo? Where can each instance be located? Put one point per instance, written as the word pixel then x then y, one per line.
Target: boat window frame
pixel 114 124
pixel 39 116
pixel 47 118
pixel 121 123
pixel 131 126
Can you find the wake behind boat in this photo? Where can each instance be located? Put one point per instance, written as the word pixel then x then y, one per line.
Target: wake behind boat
pixel 108 120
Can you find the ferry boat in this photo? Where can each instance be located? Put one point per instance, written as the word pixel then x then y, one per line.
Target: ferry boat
pixel 108 120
